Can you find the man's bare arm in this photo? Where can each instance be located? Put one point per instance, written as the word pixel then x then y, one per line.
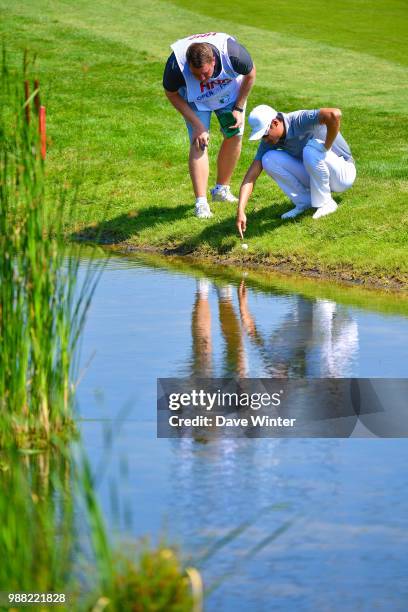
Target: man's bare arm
pixel 247 187
pixel 331 118
pixel 246 317
pixel 246 86
pixel 200 134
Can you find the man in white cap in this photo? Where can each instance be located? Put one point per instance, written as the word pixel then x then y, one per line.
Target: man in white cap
pixel 304 153
pixel 205 73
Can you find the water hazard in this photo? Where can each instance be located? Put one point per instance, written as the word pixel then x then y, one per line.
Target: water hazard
pixel 318 524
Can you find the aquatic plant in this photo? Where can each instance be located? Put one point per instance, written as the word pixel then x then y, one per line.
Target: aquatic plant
pixel 54 540
pixel 36 523
pixel 42 301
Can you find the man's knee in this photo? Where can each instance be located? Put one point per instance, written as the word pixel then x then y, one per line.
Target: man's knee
pixel 196 152
pixel 272 163
pixel 233 141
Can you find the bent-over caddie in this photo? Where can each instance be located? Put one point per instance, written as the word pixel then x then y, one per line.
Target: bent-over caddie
pixel 205 73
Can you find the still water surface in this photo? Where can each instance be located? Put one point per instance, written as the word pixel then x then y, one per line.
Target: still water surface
pixel 343 503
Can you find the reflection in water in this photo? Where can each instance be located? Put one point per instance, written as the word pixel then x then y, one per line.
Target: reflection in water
pixel 346 494
pixel 248 486
pixel 317 338
pixel 335 335
pixel 37 524
pixel 234 352
pixel 201 331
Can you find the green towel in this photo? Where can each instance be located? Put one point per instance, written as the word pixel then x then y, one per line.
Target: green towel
pixel 227 119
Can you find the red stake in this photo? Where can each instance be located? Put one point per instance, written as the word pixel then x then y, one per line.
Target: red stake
pixel 43 132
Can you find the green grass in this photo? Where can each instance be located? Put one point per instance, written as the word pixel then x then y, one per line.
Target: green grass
pixel 377 28
pixel 102 70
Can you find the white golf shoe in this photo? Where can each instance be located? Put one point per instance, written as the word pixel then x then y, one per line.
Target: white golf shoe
pixel 295 212
pixel 202 210
pixel 203 287
pixel 326 209
pixel 223 194
pixel 225 292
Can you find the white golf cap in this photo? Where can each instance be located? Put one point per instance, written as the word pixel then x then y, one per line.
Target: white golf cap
pixel 260 119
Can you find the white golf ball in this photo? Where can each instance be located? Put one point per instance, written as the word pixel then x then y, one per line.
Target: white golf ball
pixel 244 245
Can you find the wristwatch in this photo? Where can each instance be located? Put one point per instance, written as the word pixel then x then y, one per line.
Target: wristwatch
pixel 239 109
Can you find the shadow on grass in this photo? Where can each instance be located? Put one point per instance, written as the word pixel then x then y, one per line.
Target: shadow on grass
pixel 130 224
pixel 223 235
pixel 220 236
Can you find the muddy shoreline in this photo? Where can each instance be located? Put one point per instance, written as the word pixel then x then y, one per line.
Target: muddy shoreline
pixel 285 267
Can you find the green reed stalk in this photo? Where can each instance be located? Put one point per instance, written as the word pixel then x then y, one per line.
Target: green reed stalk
pixel 42 303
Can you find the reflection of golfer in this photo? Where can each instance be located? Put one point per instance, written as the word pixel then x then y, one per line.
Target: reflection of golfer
pixel 209 72
pixel 316 339
pixel 304 153
pixel 335 340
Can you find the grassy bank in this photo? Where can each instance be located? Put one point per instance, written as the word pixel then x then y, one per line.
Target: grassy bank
pixel 102 69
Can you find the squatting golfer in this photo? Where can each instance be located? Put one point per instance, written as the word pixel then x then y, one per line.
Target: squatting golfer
pixel 304 153
pixel 205 73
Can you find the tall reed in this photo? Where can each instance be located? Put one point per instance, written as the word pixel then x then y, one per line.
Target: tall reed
pixel 42 301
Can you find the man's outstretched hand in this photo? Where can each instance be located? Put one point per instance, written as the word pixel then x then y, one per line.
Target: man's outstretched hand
pixel 241 223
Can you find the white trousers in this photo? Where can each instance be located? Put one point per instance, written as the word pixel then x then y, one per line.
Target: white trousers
pixel 311 181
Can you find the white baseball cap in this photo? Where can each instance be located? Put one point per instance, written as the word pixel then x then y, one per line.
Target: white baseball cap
pixel 260 119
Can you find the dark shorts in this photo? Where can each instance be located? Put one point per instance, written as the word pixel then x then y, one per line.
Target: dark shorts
pixel 205 116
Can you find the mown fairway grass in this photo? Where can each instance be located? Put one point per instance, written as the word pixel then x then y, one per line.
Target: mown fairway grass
pixel 102 64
